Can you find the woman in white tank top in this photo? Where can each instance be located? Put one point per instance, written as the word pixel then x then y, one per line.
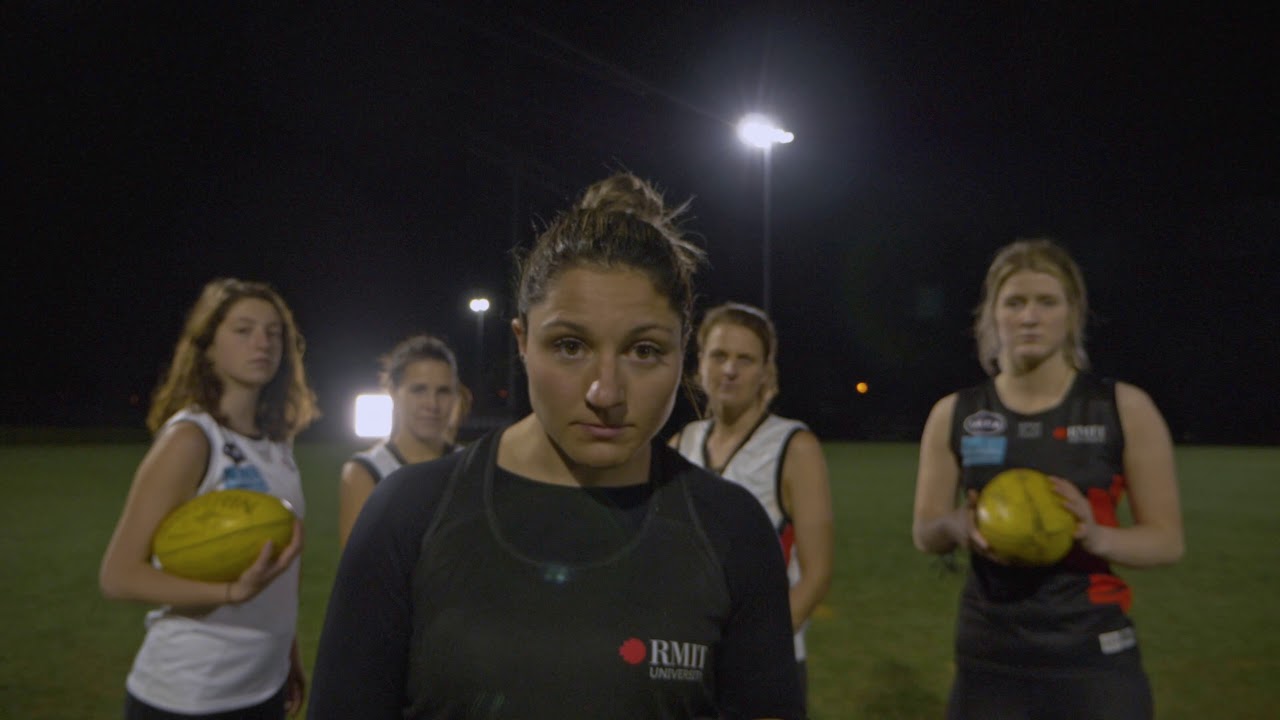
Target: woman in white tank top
pixel 428 403
pixel 778 459
pixel 224 415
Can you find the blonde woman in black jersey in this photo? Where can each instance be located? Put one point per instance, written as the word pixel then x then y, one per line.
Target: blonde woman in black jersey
pixel 1053 642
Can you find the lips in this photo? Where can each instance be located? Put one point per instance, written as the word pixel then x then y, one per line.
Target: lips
pixel 602 432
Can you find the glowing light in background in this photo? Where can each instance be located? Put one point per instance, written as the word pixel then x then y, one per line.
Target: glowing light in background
pixel 759 131
pixel 373 415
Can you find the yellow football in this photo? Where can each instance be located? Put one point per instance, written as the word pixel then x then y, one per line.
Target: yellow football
pixel 216 536
pixel 1023 519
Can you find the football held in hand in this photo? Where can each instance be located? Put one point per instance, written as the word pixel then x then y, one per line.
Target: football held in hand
pixel 1023 519
pixel 216 536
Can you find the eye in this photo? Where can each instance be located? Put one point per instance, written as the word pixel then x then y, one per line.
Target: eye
pixel 648 351
pixel 569 347
pixel 1013 301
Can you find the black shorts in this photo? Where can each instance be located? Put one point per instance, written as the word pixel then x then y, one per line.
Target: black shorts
pixel 1103 695
pixel 271 709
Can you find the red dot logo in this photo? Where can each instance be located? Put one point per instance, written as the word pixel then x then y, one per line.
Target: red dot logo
pixel 632 651
pixel 1060 433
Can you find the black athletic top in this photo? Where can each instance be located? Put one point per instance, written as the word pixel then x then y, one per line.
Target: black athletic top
pixel 466 591
pixel 1071 615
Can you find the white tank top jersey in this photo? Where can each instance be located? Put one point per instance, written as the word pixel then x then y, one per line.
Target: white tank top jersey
pixel 238 655
pixel 380 460
pixel 757 466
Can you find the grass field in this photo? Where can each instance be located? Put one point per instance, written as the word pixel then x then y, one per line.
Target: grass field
pixel 880 647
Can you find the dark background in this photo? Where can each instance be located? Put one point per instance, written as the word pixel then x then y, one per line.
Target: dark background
pixel 377 165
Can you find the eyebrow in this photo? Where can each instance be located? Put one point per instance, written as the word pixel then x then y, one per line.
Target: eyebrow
pixel 254 321
pixel 580 329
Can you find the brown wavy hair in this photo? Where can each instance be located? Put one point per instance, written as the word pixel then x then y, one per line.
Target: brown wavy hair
pixel 286 405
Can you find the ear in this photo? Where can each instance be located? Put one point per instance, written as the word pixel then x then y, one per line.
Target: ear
pixel 522 338
pixel 770 389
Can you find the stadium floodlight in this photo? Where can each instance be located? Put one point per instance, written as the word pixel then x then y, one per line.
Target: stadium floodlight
pixel 763 133
pixel 373 415
pixel 760 132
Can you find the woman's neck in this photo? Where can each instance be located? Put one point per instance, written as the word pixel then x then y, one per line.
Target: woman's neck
pixel 1037 388
pixel 525 449
pixel 240 408
pixel 414 450
pixel 734 423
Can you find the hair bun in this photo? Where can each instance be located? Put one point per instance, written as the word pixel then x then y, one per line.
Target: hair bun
pixel 625 193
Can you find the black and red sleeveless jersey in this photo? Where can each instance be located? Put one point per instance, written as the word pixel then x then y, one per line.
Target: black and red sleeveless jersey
pixel 1072 614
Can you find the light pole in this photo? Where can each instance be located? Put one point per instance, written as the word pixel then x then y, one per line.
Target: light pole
pixel 760 132
pixel 479 306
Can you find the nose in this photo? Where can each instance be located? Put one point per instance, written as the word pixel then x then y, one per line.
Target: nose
pixel 261 338
pixel 1030 314
pixel 607 390
pixel 729 368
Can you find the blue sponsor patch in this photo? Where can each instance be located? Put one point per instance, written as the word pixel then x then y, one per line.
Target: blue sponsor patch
pixel 243 477
pixel 983 450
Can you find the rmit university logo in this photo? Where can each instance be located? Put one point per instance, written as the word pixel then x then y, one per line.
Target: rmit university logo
pixel 668 659
pixel 1081 434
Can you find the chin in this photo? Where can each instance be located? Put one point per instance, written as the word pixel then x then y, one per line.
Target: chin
pixel 600 456
pixel 1032 358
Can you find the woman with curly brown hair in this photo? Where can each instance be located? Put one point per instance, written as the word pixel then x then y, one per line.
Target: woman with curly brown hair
pixel 224 416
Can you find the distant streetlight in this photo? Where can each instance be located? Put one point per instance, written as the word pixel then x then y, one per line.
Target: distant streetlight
pixel 479 306
pixel 762 133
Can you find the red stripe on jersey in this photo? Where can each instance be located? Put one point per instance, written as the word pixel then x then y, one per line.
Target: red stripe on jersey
pixel 1109 589
pixel 1104 502
pixel 787 536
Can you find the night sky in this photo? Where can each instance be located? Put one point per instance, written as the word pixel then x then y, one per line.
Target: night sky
pixel 377 166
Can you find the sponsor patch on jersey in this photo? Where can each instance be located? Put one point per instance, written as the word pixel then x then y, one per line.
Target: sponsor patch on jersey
pixel 234 452
pixel 985 422
pixel 243 477
pixel 1081 434
pixel 983 450
pixel 1029 430
pixel 666 659
pixel 1117 640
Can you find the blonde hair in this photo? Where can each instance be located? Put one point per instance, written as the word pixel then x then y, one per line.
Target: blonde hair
pixel 1037 255
pixel 286 404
